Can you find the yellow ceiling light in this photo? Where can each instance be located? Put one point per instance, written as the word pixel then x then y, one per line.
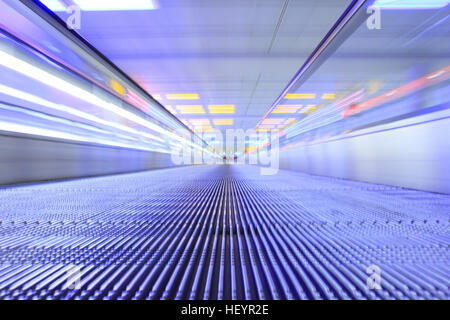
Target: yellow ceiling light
pixel 189 106
pixel 260 129
pixel 300 96
pixel 284 111
pixel 328 96
pixel 287 108
pixel 182 96
pixel 221 108
pixel 309 108
pixel 290 121
pixel 272 121
pixel 190 109
pixel 156 96
pixel 266 127
pixel 217 111
pixel 223 122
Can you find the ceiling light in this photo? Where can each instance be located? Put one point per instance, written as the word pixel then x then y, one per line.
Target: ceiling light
pixel 410 4
pixel 287 108
pixel 290 121
pixel 284 111
pixel 114 5
pixel 189 106
pixel 328 96
pixel 221 111
pixel 272 121
pixel 182 96
pixel 300 96
pixel 53 5
pixel 190 109
pixel 223 122
pixel 221 108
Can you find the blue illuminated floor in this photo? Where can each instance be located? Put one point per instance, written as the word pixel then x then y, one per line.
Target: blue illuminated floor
pixel 221 232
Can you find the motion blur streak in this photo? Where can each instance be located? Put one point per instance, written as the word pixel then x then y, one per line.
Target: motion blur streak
pixel 414 86
pixel 212 149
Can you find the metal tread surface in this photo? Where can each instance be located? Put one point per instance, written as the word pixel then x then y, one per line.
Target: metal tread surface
pixel 222 232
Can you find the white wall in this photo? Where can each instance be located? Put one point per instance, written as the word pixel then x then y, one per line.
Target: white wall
pixel 412 153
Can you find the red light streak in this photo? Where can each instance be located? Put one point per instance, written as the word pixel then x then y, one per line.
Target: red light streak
pixel 416 85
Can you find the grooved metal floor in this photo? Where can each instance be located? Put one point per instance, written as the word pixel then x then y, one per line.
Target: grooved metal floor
pixel 222 232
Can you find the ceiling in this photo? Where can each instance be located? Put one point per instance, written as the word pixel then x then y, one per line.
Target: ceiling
pixel 408 45
pixel 222 53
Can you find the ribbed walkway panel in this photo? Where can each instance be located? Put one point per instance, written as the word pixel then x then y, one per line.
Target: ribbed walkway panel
pixel 221 232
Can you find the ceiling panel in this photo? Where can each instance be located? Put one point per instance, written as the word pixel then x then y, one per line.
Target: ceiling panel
pixel 228 52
